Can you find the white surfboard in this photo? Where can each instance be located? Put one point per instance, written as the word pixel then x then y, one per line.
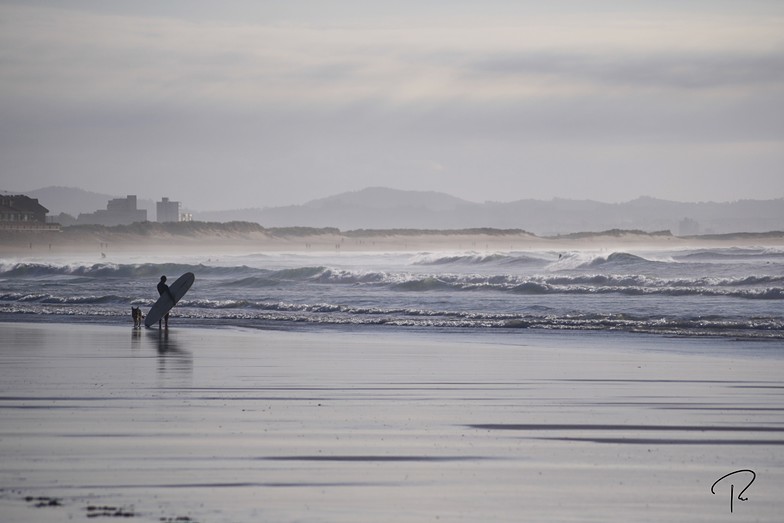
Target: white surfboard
pixel 165 303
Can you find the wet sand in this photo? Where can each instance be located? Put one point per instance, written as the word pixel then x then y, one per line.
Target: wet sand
pixel 217 425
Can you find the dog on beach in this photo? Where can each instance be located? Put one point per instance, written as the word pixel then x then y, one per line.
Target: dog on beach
pixel 136 314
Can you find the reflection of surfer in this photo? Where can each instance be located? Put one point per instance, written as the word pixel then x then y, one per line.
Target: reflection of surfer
pixel 164 289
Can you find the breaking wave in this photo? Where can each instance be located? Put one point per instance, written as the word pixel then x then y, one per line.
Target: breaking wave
pixel 476 259
pixel 112 270
pixel 731 292
pixel 249 314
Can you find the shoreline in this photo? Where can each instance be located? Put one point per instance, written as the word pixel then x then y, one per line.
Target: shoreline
pixel 247 425
pixel 299 326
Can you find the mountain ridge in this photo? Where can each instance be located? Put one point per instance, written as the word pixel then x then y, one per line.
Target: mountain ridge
pixel 385 208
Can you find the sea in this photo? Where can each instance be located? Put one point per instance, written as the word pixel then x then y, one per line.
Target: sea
pixel 721 292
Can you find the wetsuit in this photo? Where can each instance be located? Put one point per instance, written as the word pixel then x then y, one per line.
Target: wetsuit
pixel 164 289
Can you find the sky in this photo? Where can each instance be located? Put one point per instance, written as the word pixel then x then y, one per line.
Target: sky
pixel 224 105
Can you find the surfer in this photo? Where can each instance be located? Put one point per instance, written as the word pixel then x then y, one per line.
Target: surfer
pixel 164 289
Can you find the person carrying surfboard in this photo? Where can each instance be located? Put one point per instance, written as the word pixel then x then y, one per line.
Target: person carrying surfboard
pixel 169 296
pixel 164 289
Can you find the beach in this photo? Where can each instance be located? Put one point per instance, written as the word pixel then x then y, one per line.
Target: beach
pixel 150 238
pixel 377 424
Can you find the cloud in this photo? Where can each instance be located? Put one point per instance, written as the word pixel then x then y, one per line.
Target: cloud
pixel 294 103
pixel 671 70
pixel 73 55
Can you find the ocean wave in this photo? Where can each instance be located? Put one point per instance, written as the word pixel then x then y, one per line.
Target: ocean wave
pixel 350 277
pixel 428 283
pixel 775 293
pixel 299 273
pixel 758 327
pixel 745 280
pixel 311 275
pixel 70 300
pixel 752 287
pixel 623 259
pixel 112 270
pixel 639 280
pixel 581 260
pixel 474 259
pixel 280 306
pixel 254 282
pixel 405 281
pixel 767 287
pixel 733 254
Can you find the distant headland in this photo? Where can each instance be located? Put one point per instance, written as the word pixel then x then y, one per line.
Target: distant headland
pixel 251 237
pixel 379 208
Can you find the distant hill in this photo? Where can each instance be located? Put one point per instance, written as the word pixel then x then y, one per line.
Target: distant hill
pixel 381 208
pixel 371 208
pixel 384 198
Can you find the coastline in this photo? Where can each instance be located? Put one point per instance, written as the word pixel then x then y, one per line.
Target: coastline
pixel 244 237
pixel 335 425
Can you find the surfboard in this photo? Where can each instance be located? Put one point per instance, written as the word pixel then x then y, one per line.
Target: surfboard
pixel 165 303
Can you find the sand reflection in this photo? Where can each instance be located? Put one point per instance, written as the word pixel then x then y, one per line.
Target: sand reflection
pixel 136 338
pixel 174 362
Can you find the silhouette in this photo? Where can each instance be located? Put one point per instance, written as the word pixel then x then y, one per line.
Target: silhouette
pixel 136 314
pixel 164 289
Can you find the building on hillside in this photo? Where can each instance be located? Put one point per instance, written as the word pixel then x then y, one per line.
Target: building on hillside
pixel 19 212
pixel 119 211
pixel 167 210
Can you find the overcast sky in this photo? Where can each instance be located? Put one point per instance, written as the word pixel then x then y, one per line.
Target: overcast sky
pixel 258 103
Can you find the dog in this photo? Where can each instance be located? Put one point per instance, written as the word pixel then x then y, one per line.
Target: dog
pixel 136 314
